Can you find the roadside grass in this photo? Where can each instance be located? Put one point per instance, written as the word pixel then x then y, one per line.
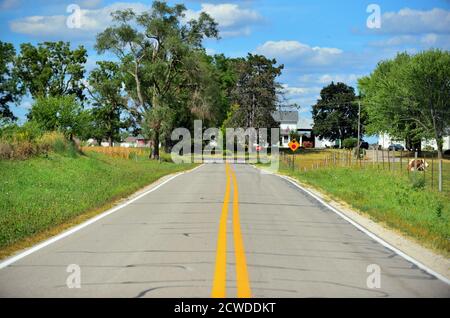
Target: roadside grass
pixel 41 193
pixel 393 199
pixel 311 159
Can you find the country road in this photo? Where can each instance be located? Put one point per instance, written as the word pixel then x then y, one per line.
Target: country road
pixel 221 231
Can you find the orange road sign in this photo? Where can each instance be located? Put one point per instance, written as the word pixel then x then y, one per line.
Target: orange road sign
pixel 294 145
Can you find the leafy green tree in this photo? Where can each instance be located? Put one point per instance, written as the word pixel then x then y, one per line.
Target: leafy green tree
pixel 255 92
pixel 335 114
pixel 382 100
pixel 410 95
pixel 9 88
pixel 109 104
pixel 226 72
pixel 350 143
pixel 61 113
pixel 51 69
pixel 154 48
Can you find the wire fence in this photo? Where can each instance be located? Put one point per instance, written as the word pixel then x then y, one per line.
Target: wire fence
pixel 433 172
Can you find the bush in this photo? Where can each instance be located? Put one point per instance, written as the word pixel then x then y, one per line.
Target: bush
pixel 6 151
pixel 350 143
pixel 24 150
pixel 52 141
pixel 27 141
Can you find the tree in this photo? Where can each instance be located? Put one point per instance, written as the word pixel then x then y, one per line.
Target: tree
pixel 255 92
pixel 410 95
pixel 9 90
pixel 109 104
pixel 226 71
pixel 61 113
pixel 51 69
pixel 382 100
pixel 335 114
pixel 153 48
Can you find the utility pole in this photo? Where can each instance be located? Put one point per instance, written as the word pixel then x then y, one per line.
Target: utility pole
pixel 359 130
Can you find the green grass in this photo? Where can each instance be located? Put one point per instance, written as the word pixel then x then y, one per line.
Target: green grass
pixel 40 193
pixel 389 198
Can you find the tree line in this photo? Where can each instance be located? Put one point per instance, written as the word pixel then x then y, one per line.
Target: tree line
pixel 407 97
pixel 160 78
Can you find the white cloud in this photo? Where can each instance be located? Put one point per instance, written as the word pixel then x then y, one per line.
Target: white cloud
pixel 92 22
pixel 424 41
pixel 233 20
pixel 292 91
pixel 409 21
pixel 288 51
pixel 328 78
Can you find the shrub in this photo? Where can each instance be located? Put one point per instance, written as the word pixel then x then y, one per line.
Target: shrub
pixel 51 141
pixel 24 150
pixel 165 157
pixel 350 143
pixel 6 151
pixel 26 141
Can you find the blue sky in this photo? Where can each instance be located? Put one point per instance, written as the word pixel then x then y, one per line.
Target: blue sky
pixel 317 40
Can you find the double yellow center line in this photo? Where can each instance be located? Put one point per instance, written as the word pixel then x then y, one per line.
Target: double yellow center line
pixel 242 280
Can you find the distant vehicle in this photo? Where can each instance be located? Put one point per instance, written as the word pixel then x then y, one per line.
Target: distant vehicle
pixel 364 145
pixel 396 147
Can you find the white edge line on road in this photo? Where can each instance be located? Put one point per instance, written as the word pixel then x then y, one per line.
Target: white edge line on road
pixel 366 231
pixel 58 237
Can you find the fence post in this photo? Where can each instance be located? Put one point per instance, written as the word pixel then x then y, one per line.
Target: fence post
pixel 401 161
pixel 415 162
pixel 432 170
pixel 393 160
pixel 389 160
pixel 382 157
pixel 407 162
pixel 440 174
pixel 424 167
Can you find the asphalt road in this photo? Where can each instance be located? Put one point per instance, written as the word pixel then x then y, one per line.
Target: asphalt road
pixel 196 236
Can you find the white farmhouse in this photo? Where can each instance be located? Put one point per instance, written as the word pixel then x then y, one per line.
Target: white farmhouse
pixel 384 140
pixel 290 121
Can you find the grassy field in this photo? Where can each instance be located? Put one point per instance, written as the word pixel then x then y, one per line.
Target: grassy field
pixel 396 199
pixel 311 159
pixel 40 193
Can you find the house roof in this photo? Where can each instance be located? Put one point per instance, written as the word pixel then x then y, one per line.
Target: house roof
pixel 285 116
pixel 305 123
pixel 134 139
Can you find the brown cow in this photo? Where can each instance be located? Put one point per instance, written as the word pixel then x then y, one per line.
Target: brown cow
pixel 420 164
